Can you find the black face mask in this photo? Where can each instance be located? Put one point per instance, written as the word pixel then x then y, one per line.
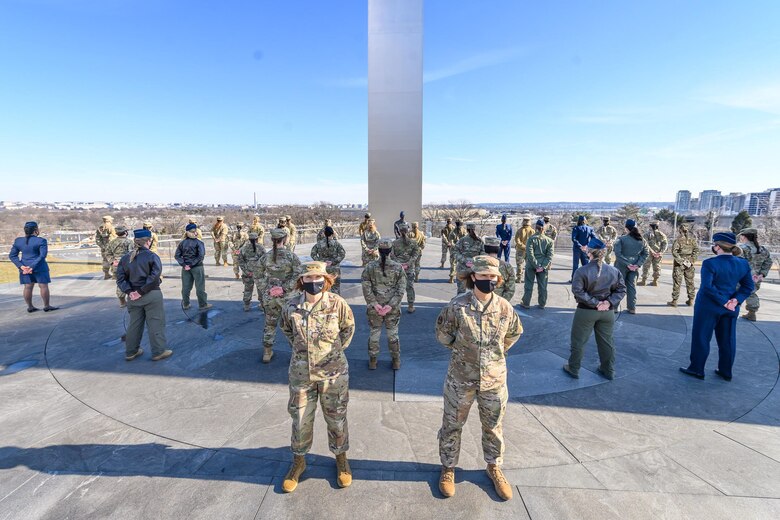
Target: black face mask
pixel 486 286
pixel 491 250
pixel 314 288
pixel 384 252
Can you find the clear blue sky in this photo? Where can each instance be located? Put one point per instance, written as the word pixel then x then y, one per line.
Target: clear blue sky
pixel 523 100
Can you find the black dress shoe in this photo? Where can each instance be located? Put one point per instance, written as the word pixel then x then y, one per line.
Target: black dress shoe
pixel 32 309
pixel 718 372
pixel 50 308
pixel 690 372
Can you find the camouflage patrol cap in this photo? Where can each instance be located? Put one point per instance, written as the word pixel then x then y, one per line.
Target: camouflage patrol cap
pixel 193 221
pixel 253 236
pixel 240 224
pixel 287 217
pixel 526 218
pixel 220 219
pixel 108 218
pixel 471 225
pixel 278 232
pixel 484 264
pixel 385 243
pixel 147 224
pixel 312 268
pixel 748 231
pixel 654 223
pixel 491 241
pixel 121 230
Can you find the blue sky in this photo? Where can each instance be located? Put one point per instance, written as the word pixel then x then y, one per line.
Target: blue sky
pixel 523 100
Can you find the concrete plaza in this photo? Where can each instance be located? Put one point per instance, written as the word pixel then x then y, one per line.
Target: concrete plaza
pixel 205 434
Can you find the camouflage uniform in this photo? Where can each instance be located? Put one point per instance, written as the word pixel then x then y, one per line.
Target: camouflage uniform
pixel 155 238
pixel 455 236
pixel 608 234
pixel 282 272
pixel 550 231
pixel 419 236
pixel 115 250
pixel 103 235
pixel 685 250
pixel 292 238
pixel 406 253
pixel 465 251
pixel 479 335
pixel 521 238
pixel 383 287
pixel 760 263
pixel 257 227
pixel 369 241
pixel 236 241
pixel 363 226
pixel 318 334
pixel 220 235
pixel 539 253
pixel 446 245
pixel 248 259
pixel 330 251
pixel 657 244
pixel 507 289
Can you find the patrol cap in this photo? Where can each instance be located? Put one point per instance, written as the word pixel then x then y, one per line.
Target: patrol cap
pixel 312 268
pixel 147 224
pixel 191 227
pixel 491 241
pixel 385 243
pixel 654 223
pixel 142 233
pixel 526 218
pixel 746 231
pixel 253 236
pixel 287 217
pixel 121 230
pixel 540 223
pixel 193 221
pixel 449 219
pixel 546 218
pixel 729 238
pixel 278 232
pixel 240 224
pixel 484 264
pixel 595 243
pixel 471 225
pixel 605 219
pixel 220 218
pixel 108 218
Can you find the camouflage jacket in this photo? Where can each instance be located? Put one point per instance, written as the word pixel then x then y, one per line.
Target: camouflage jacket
pixel 292 231
pixel 760 260
pixel 684 248
pixel 507 289
pixel 521 238
pixel 405 253
pixel 333 253
pixel 386 288
pixel 103 235
pixel 457 234
pixel 220 233
pixel 479 336
pixel 257 228
pixel 280 273
pixel 238 239
pixel 607 234
pixel 656 241
pixel 466 249
pixel 155 242
pixel 318 335
pixel 419 237
pixel 117 248
pixel 446 232
pixel 248 259
pixel 551 231
pixel 539 251
pixel 369 239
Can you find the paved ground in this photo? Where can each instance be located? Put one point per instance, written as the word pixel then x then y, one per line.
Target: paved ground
pixel 205 434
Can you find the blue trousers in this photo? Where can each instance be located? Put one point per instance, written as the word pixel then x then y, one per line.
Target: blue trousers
pixel 504 251
pixel 706 320
pixel 578 255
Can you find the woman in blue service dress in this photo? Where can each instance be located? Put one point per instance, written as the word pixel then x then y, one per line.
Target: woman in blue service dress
pixel 32 265
pixel 726 282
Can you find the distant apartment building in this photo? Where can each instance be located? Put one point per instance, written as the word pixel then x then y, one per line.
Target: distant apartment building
pixel 758 203
pixel 694 205
pixel 709 199
pixel 683 201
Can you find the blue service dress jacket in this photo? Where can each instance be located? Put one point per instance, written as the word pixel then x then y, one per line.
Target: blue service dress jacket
pixel 33 252
pixel 724 277
pixel 581 235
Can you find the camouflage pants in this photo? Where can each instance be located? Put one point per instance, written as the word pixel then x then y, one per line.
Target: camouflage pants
pixel 390 321
pixel 444 251
pixel 680 272
pixel 609 257
pixel 333 395
pixel 106 263
pixel 366 257
pixel 452 264
pixel 234 258
pixel 417 267
pixel 250 284
pixel 336 272
pixel 458 398
pixel 410 284
pixel 655 263
pixel 220 252
pixel 753 303
pixel 520 259
pixel 272 308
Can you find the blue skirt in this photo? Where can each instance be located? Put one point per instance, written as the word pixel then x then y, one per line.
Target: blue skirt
pixel 41 276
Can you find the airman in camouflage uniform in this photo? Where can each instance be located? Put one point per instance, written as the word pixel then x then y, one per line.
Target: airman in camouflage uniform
pixel 236 240
pixel 607 234
pixel 116 249
pixel 319 327
pixel 369 242
pixel 330 251
pixel 321 232
pixel 538 261
pixel 465 250
pixel 257 227
pixel 383 282
pixel 521 238
pixel 446 245
pixel 507 289
pixel 220 233
pixel 457 233
pixel 405 252
pixel 248 258
pixel 365 224
pixel 277 272
pixel 760 261
pixel 103 235
pixel 419 236
pixel 685 251
pixel 155 239
pixel 550 230
pixel 479 328
pixel 657 244
pixel 293 233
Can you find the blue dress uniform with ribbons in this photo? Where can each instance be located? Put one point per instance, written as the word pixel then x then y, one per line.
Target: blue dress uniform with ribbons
pixel 723 277
pixel 580 236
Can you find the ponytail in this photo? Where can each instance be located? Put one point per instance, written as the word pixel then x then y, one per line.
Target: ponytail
pixel 634 233
pixel 734 249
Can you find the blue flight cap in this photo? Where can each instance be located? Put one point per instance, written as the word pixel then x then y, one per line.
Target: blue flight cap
pixel 191 227
pixel 729 238
pixel 142 233
pixel 630 223
pixel 540 223
pixel 595 243
pixel 581 219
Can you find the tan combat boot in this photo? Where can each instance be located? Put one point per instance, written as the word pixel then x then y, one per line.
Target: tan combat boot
pixel 452 278
pixel 396 362
pixel 372 362
pixel 292 477
pixel 689 303
pixel 410 309
pixel 106 276
pixel 268 353
pixel 224 263
pixel 750 316
pixel 441 266
pixel 655 282
pixel 122 302
pixel 343 472
pixel 503 489
pixel 165 354
pixel 447 481
pixel 672 303
pixel 237 277
pixel 642 282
